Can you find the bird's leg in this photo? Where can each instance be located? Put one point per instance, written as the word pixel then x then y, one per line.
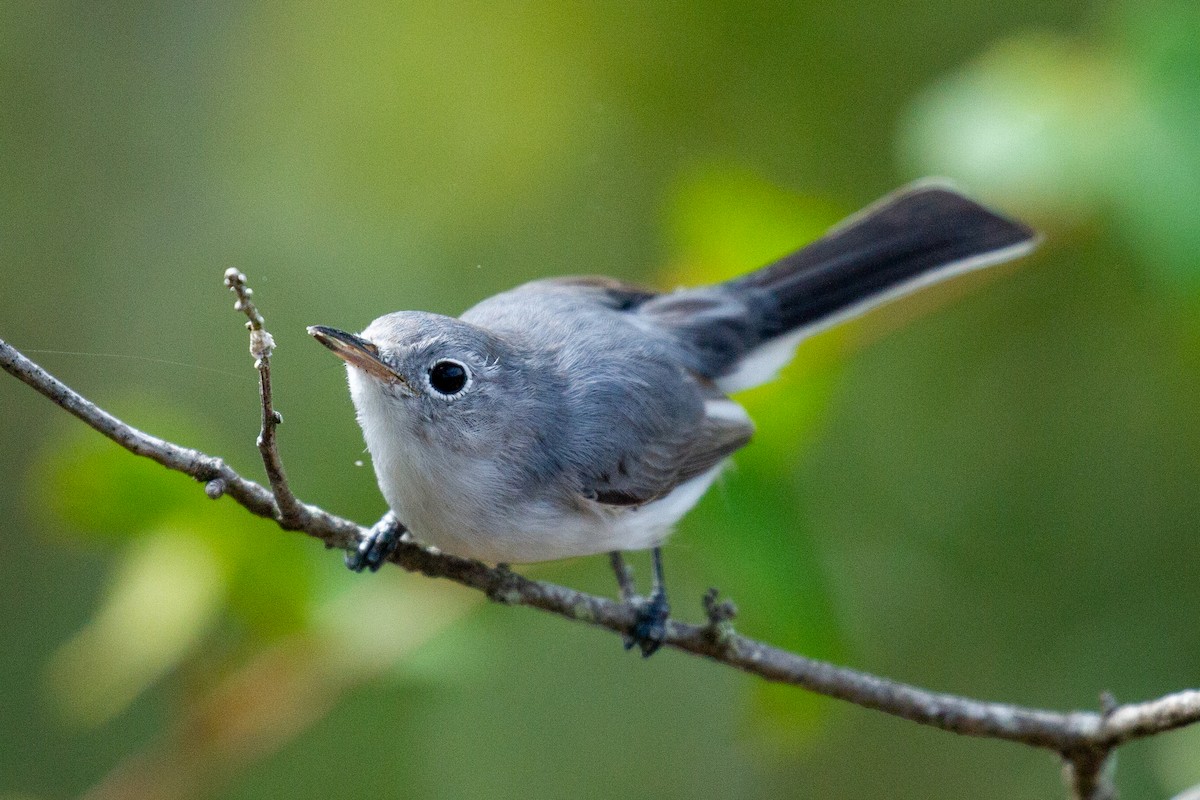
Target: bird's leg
pixel 377 545
pixel 624 576
pixel 650 625
pixel 651 628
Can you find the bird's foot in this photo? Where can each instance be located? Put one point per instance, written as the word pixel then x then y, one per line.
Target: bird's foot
pixel 377 545
pixel 650 626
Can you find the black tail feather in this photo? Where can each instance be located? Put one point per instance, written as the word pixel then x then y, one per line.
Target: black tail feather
pixel 919 235
pixel 915 236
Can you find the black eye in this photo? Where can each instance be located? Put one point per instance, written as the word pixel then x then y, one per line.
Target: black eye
pixel 448 377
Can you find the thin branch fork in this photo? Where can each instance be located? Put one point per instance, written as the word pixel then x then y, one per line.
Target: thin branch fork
pixel 1084 739
pixel 291 512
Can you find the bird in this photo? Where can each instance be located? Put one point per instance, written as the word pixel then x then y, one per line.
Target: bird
pixel 577 416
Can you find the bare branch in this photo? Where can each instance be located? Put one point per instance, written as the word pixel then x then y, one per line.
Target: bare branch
pixel 262 344
pixel 1083 738
pixel 219 478
pixel 1138 720
pixel 191 462
pixel 1086 774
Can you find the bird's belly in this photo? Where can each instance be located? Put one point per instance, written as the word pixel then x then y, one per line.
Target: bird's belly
pixel 457 519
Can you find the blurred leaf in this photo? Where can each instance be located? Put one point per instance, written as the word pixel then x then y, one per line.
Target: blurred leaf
pixel 1156 189
pixel 1072 130
pixel 727 222
pixel 102 491
pixel 751 531
pixel 1176 759
pixel 382 621
pixel 1034 124
pixel 114 497
pixel 788 411
pixel 164 597
pixel 342 85
pixel 271 586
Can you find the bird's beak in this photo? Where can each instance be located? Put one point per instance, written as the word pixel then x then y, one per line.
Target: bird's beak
pixel 357 352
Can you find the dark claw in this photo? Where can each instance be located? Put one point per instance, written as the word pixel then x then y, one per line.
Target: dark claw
pixel 650 629
pixel 376 546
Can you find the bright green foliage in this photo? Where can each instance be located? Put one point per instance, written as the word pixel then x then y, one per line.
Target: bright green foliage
pixel 751 530
pixel 104 496
pixel 1083 130
pixel 184 559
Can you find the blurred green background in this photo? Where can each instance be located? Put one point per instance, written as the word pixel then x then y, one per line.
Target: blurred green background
pixel 990 488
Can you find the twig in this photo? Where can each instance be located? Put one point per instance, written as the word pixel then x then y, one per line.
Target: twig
pixel 720 615
pixel 1085 773
pixel 218 477
pixel 1083 738
pixel 262 344
pixel 208 469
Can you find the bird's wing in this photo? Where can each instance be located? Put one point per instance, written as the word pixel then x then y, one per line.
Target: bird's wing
pixel 610 292
pixel 673 458
pixel 641 422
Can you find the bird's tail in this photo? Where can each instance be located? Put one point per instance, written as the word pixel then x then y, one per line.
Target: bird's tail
pixel 917 236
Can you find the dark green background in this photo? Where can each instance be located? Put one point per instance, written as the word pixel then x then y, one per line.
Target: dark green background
pixel 989 489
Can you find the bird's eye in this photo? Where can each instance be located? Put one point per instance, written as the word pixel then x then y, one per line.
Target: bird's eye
pixel 448 378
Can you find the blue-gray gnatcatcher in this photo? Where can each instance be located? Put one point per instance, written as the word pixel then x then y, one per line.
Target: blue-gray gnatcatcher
pixel 575 416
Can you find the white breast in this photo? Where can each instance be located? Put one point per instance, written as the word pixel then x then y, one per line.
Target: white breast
pixel 452 507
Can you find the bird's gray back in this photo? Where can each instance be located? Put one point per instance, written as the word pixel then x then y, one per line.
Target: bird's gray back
pixel 632 413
